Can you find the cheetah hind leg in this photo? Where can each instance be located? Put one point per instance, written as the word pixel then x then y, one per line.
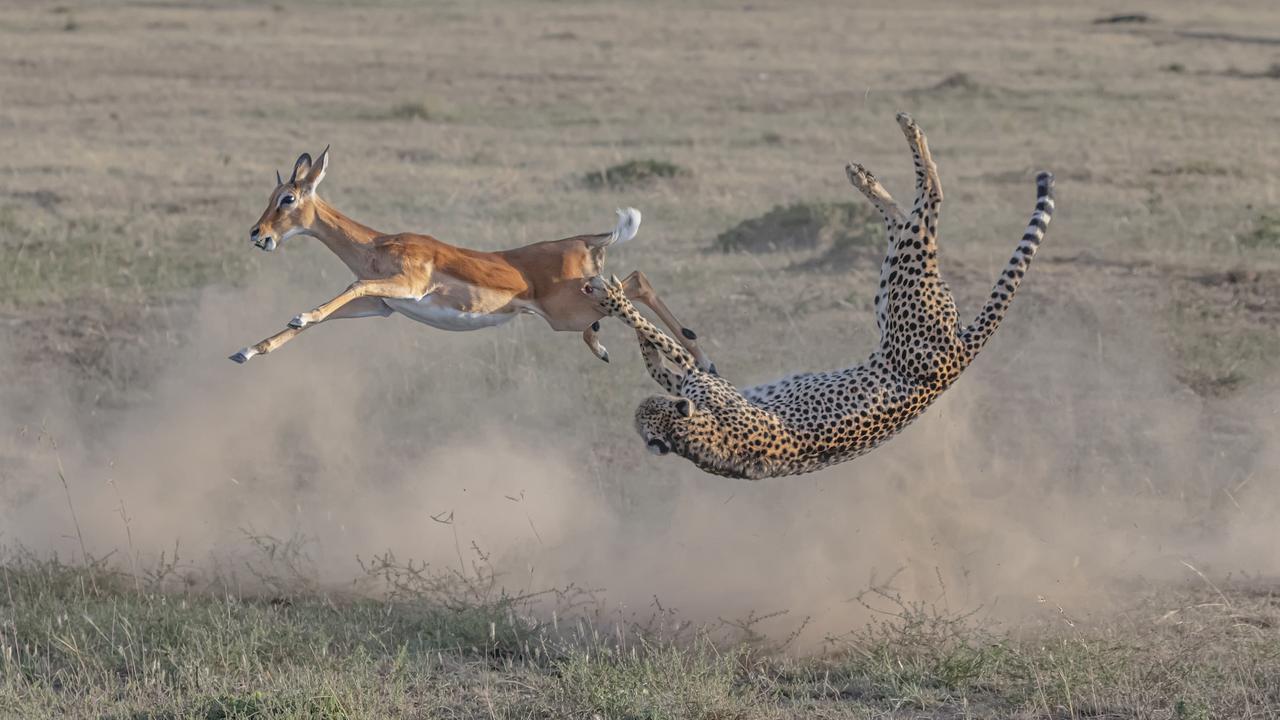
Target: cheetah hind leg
pixel 894 222
pixel 915 309
pixel 918 286
pixel 924 213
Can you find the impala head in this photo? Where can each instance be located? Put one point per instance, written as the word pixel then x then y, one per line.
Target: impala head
pixel 292 207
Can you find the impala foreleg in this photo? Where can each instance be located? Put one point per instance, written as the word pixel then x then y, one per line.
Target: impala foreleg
pixel 591 336
pixel 638 288
pixel 358 308
pixel 388 288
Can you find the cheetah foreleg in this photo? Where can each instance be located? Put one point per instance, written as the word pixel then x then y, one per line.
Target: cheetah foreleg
pixel 612 300
pixel 670 381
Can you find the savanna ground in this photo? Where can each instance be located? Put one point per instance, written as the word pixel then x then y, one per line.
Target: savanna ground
pixel 1082 528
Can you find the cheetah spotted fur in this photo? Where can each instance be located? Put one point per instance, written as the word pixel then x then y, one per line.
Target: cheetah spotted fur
pixel 813 420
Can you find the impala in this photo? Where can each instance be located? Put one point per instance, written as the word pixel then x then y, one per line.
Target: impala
pixel 442 285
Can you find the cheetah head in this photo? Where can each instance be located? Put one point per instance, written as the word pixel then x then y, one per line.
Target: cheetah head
pixel 663 422
pixel 702 435
pixel 608 295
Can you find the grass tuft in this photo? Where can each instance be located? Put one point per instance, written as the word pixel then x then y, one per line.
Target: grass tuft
pixel 87 641
pixel 408 111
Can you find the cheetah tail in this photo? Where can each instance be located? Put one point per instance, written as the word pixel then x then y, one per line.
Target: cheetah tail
pixel 977 334
pixel 628 226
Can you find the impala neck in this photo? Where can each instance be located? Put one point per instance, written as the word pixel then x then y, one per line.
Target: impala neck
pixel 348 239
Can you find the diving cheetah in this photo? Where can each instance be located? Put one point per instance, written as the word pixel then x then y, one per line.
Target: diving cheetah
pixel 810 421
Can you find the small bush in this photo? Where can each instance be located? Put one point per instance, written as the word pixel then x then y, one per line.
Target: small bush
pixel 410 111
pixel 1136 18
pixel 634 173
pixel 1265 233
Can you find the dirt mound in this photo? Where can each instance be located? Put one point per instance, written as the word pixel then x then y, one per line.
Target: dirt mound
pixel 958 81
pixel 957 85
pixel 841 228
pixel 634 173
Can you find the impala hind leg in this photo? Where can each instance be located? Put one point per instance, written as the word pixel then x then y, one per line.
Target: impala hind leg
pixel 358 308
pixel 638 288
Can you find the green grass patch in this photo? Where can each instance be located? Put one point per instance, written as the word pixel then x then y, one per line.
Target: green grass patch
pixel 49 260
pixel 651 683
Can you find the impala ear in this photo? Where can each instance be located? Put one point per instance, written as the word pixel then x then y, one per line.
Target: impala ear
pixel 315 172
pixel 301 167
pixel 684 407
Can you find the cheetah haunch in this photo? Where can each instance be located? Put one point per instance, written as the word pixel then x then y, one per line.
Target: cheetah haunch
pixel 813 420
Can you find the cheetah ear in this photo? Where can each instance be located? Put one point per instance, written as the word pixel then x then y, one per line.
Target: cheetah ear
pixel 684 407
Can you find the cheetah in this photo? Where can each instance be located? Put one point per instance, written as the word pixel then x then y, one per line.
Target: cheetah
pixel 810 421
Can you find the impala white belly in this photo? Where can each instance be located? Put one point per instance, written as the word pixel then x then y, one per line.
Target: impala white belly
pixel 441 312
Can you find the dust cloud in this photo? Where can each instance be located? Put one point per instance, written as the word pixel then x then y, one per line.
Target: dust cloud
pixel 1066 466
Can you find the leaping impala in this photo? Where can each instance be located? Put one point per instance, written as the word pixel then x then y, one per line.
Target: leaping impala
pixel 445 286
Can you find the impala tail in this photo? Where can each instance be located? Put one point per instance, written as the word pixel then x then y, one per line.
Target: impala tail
pixel 628 226
pixel 977 334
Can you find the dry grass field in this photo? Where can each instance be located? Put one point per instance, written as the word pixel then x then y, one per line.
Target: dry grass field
pixel 385 520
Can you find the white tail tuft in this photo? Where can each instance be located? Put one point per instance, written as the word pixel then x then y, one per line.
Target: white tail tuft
pixel 628 225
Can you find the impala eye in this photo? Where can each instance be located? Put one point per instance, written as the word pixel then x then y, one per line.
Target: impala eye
pixel 286 200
